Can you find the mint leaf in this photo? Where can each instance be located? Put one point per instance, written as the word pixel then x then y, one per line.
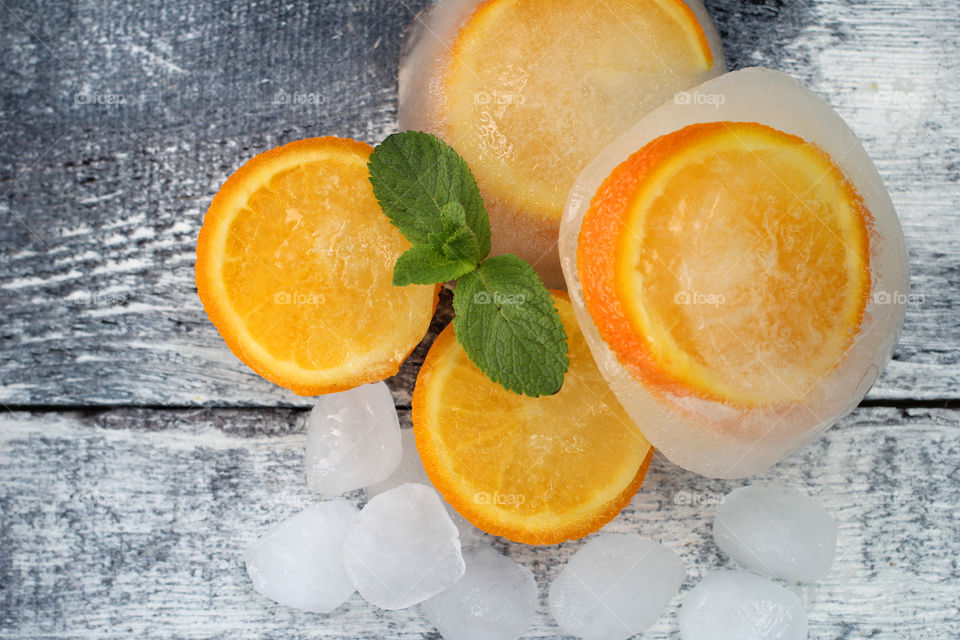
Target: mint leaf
pixel 414 175
pixel 457 241
pixel 462 245
pixel 436 242
pixel 505 318
pixel 507 323
pixel 422 264
pixel 454 217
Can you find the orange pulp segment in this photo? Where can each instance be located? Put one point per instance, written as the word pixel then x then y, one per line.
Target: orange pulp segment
pixel 294 267
pixel 728 260
pixel 533 470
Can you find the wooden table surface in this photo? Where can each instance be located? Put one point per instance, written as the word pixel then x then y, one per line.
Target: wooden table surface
pixel 138 456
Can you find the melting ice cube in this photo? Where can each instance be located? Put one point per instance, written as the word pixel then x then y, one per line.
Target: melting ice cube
pixel 776 532
pixel 615 586
pixel 411 470
pixel 299 562
pixel 495 600
pixel 737 605
pixel 403 548
pixel 353 439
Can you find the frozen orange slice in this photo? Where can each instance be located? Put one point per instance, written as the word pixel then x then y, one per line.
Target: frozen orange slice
pixel 295 264
pixel 533 470
pixel 728 260
pixel 536 88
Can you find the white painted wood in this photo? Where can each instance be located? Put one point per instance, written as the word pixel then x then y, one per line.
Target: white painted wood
pixel 100 205
pixel 130 523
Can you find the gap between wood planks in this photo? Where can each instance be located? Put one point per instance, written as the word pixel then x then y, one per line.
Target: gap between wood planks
pixel 929 403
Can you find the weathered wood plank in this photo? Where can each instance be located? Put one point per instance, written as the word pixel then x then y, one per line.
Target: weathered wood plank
pixel 100 203
pixel 129 523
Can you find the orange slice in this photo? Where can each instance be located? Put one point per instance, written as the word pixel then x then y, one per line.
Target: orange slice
pixel 533 470
pixel 728 260
pixel 534 89
pixel 295 264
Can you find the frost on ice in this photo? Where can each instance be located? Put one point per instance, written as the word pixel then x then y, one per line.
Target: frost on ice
pixel 615 586
pixel 353 439
pixel 299 562
pixel 776 532
pixel 403 548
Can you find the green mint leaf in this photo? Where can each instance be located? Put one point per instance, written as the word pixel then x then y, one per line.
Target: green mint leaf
pixel 505 318
pixel 457 242
pixel 414 175
pixel 508 325
pixel 454 217
pixel 462 245
pixel 436 242
pixel 421 264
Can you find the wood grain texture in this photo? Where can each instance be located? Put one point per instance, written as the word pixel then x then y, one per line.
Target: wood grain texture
pixel 130 523
pixel 119 124
pixel 121 121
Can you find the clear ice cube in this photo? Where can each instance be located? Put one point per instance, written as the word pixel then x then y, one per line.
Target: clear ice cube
pixel 353 439
pixel 299 561
pixel 495 600
pixel 403 548
pixel 615 586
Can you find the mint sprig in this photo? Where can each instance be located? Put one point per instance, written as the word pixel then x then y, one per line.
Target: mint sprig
pixel 414 175
pixel 423 264
pixel 505 318
pixel 506 322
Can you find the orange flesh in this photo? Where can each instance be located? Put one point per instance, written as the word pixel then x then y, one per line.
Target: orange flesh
pixel 534 88
pixel 727 260
pixel 533 470
pixel 294 267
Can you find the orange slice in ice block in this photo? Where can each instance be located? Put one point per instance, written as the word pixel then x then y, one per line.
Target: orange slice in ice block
pixel 728 260
pixel 536 88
